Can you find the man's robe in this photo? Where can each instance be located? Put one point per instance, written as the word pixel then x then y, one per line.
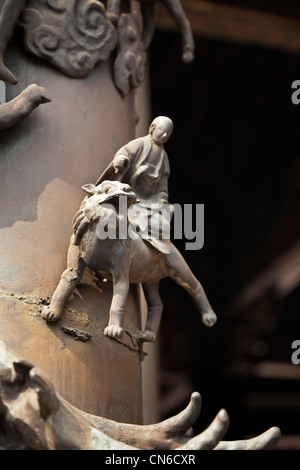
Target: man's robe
pixel 150 184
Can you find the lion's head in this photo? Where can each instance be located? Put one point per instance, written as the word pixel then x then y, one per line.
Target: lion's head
pixel 102 195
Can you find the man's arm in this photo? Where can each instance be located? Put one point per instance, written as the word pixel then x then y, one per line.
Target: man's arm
pixel 121 161
pixel 125 155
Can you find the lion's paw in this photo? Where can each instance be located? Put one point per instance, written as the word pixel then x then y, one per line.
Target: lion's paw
pixel 113 331
pixel 49 315
pixel 147 336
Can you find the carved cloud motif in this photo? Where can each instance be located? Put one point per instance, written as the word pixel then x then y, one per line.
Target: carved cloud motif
pixel 73 35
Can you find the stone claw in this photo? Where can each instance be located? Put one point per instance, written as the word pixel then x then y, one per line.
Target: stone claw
pixel 22 105
pixel 211 436
pixel 264 441
pixel 36 95
pixel 6 75
pixel 45 97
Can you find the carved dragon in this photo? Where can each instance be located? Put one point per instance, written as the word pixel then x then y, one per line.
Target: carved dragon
pixel 34 417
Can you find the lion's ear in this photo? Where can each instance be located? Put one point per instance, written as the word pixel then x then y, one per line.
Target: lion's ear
pixel 89 188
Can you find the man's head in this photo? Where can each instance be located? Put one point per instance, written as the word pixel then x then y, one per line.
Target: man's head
pixel 160 129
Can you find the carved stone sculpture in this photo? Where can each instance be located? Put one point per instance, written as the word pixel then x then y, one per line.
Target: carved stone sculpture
pixel 176 11
pixel 123 261
pixel 34 417
pixel 73 35
pixel 21 106
pixel 142 170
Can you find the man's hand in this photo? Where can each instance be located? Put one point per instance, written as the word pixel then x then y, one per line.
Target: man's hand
pixel 120 162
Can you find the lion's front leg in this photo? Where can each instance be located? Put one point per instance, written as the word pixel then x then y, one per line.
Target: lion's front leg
pixel 120 275
pixel 66 286
pixel 69 280
pixel 114 328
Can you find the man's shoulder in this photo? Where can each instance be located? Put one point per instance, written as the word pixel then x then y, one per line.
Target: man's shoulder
pixel 141 140
pixel 138 144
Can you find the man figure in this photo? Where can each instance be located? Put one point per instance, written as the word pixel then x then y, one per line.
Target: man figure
pixel 144 165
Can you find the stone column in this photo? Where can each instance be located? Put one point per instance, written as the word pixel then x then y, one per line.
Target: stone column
pixel 44 161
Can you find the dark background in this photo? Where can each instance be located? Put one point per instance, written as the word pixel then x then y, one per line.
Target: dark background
pixel 235 149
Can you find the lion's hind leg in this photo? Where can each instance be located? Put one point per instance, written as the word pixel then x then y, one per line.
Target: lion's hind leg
pixel 155 308
pixel 180 272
